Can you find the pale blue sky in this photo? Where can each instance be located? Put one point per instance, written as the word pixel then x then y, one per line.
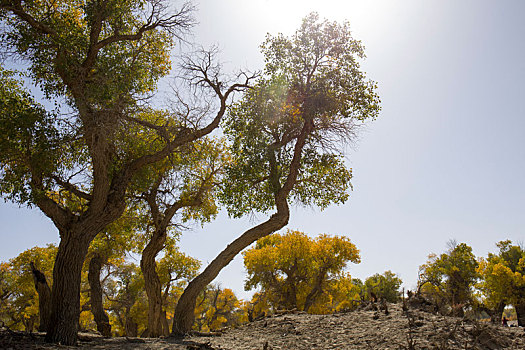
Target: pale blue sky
pixel 445 159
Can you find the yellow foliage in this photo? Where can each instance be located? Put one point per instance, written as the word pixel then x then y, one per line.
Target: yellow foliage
pixel 502 276
pixel 217 308
pixel 20 310
pixel 296 271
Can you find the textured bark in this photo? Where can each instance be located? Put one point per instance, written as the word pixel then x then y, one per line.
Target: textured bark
pixel 290 301
pixel 44 298
pixel 98 122
pixel 520 312
pixel 97 308
pixel 165 325
pixel 157 322
pixel 156 316
pixel 184 311
pixel 124 313
pixel 65 295
pixel 131 327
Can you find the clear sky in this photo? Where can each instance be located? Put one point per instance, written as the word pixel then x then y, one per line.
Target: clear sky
pixel 445 159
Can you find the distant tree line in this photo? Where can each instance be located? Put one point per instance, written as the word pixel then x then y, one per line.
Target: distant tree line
pixel 289 271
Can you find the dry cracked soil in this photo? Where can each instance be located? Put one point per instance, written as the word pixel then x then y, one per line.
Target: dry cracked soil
pixel 362 329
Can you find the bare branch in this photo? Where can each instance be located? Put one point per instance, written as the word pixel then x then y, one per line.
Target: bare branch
pixel 71 188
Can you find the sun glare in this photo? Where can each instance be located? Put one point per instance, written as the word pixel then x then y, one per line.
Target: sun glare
pixel 277 16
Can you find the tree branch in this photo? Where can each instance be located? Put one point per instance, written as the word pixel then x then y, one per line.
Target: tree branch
pixel 162 131
pixel 71 188
pixel 156 19
pixel 49 207
pixel 16 8
pixel 185 136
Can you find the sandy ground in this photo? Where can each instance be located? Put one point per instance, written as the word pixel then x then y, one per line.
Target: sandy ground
pixel 353 330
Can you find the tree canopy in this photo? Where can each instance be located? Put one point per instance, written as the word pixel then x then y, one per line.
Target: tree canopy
pixel 310 99
pixel 449 279
pixel 384 286
pixel 294 270
pixel 503 280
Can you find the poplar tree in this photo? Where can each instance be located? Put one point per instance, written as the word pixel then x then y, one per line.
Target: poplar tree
pixel 288 135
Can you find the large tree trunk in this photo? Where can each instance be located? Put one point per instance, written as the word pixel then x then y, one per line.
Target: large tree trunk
pixel 290 301
pixel 156 316
pixel 65 294
pixel 44 297
pixel 311 298
pixel 184 311
pixel 520 312
pixel 97 307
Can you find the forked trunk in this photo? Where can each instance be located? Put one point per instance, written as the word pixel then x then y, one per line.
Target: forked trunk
pixel 184 312
pixel 97 308
pixel 65 294
pixel 44 297
pixel 131 327
pixel 520 313
pixel 156 316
